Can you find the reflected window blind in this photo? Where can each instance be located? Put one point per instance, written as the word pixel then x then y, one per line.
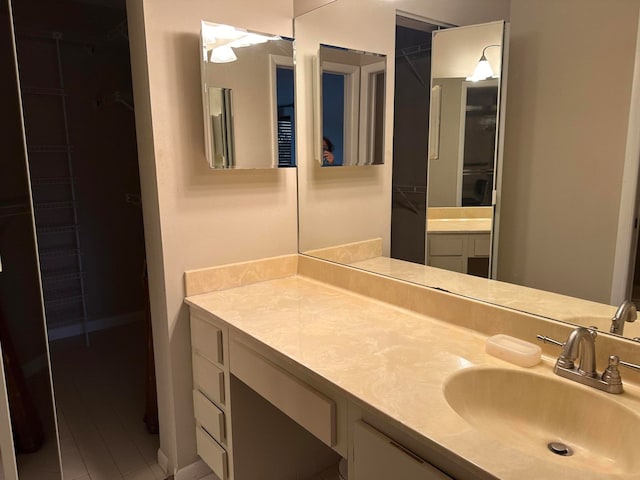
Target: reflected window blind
pixel 285 137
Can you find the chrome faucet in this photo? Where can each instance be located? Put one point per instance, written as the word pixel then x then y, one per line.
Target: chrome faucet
pixel 626 312
pixel 581 344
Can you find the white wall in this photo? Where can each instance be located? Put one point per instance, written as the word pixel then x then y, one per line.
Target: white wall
pixel 569 95
pixel 347 204
pixel 300 7
pixel 443 171
pixel 459 50
pixel 194 217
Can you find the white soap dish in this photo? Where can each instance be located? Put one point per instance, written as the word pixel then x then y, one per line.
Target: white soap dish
pixel 513 350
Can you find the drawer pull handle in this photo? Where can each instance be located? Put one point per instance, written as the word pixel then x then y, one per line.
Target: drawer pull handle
pixel 406 451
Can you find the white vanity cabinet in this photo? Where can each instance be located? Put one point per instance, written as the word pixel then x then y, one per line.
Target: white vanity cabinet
pixel 378 457
pixel 279 420
pixel 296 439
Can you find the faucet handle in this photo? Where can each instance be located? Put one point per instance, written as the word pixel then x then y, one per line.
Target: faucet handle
pixel 627 364
pixel 545 339
pixel 611 374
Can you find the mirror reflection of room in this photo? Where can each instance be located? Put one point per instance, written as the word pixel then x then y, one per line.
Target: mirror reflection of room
pixel 463 147
pixel 547 233
pixel 352 90
pixel 248 98
pixel 479 132
pixel 410 122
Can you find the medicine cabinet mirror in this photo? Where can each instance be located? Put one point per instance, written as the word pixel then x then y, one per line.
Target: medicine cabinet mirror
pixel 248 98
pixel 350 117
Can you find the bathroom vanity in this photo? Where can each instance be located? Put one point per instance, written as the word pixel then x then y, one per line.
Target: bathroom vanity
pixel 370 367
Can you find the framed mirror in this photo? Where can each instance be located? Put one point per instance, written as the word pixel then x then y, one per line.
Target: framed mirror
pixel 569 173
pixel 350 119
pixel 465 144
pixel 248 98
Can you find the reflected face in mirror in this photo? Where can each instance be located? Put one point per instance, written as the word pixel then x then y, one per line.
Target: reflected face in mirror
pixel 352 103
pixel 328 157
pixel 248 98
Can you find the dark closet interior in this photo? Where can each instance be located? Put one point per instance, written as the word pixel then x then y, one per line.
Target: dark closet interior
pixel 79 181
pixel 410 139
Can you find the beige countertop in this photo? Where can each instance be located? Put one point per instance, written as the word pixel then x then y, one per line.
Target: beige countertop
pixel 393 360
pixel 459 225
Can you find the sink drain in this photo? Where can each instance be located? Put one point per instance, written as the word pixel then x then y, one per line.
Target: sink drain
pixel 559 449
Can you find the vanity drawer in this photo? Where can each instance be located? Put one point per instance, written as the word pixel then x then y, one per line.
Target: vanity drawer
pixel 377 457
pixel 302 403
pixel 206 339
pixel 209 379
pixel 210 417
pixel 446 244
pixel 212 453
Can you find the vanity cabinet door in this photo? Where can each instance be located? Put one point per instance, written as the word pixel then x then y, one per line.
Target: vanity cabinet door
pixel 377 457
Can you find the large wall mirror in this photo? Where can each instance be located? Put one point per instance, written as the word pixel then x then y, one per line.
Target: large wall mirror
pixel 248 98
pixel 562 217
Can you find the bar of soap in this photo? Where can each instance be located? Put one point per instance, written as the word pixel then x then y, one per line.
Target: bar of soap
pixel 513 350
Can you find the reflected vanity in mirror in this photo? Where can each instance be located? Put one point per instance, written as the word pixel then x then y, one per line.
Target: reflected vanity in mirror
pixel 350 119
pixel 464 146
pixel 248 98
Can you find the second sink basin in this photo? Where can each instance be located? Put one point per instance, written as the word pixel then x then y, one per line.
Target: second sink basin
pixel 528 411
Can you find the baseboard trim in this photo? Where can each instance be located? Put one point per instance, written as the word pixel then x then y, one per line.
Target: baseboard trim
pixel 58 333
pixel 163 461
pixel 195 471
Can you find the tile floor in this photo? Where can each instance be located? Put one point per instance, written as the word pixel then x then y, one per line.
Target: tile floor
pixel 100 400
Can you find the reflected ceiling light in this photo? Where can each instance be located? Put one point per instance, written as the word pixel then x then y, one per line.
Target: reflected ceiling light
pixel 249 39
pixel 222 54
pixel 483 69
pixel 213 33
pixel 219 40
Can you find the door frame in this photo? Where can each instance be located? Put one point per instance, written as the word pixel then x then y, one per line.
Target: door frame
pixel 627 235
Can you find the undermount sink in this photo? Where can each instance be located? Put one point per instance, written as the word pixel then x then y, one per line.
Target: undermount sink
pixel 528 411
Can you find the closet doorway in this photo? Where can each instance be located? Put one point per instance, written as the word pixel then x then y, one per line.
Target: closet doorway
pixel 76 94
pixel 411 137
